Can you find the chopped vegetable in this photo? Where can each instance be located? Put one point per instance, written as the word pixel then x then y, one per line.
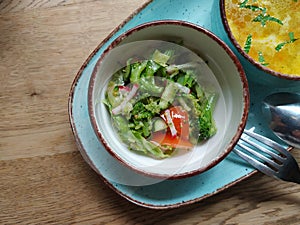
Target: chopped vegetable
pixel 261 59
pixel 167 140
pixel 159 125
pixel 130 95
pixel 264 18
pixel 292 39
pixel 170 123
pixel 252 7
pixel 158 108
pixel 248 43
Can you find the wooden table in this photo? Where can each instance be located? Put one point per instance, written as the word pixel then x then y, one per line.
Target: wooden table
pixel 43 178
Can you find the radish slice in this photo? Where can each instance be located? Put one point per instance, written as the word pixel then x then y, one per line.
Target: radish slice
pixel 124 88
pixel 170 123
pixel 130 95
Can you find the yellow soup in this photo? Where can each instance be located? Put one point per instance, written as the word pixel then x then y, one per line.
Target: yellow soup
pixel 268 31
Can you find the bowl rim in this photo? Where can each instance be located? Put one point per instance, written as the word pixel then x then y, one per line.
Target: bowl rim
pixel 245 55
pixel 243 79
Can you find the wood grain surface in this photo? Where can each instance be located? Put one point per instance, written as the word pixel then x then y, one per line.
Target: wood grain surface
pixel 43 178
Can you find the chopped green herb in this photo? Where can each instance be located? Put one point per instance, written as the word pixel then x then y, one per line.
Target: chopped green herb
pixel 252 7
pixel 292 39
pixel 248 42
pixel 261 59
pixel 280 46
pixel 263 19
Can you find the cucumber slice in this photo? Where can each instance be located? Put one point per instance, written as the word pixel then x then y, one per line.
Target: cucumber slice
pixel 159 124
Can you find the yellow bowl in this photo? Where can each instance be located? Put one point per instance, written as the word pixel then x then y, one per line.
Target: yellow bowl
pixel 263 35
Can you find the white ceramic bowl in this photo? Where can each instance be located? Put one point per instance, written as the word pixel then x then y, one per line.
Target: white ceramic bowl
pixel 230 114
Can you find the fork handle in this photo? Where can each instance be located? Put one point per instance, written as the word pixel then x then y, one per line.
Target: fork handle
pixel 293 177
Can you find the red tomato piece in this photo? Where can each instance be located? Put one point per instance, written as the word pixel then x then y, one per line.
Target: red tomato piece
pixel 165 138
pixel 180 121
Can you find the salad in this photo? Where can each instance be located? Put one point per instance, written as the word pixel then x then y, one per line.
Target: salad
pixel 157 105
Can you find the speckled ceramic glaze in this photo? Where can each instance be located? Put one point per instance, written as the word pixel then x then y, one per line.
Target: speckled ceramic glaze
pixel 167 193
pixel 231 108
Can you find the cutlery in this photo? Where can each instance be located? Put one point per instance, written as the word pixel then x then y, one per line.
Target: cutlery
pixel 282 111
pixel 268 157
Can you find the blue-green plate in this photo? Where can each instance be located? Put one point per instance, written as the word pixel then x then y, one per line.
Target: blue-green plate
pixel 167 193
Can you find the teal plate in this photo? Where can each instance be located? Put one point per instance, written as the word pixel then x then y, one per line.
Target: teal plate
pixel 166 193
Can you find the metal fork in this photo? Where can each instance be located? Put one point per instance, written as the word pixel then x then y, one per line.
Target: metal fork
pixel 268 157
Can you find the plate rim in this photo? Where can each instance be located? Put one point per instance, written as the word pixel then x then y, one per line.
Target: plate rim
pixel 81 147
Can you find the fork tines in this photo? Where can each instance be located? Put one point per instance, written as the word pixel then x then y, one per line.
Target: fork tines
pixel 265 155
pixel 268 157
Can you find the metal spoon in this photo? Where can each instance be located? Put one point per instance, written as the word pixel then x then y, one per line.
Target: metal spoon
pixel 283 113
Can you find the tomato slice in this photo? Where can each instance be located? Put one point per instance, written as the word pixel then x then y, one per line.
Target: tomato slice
pixel 180 121
pixel 166 138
